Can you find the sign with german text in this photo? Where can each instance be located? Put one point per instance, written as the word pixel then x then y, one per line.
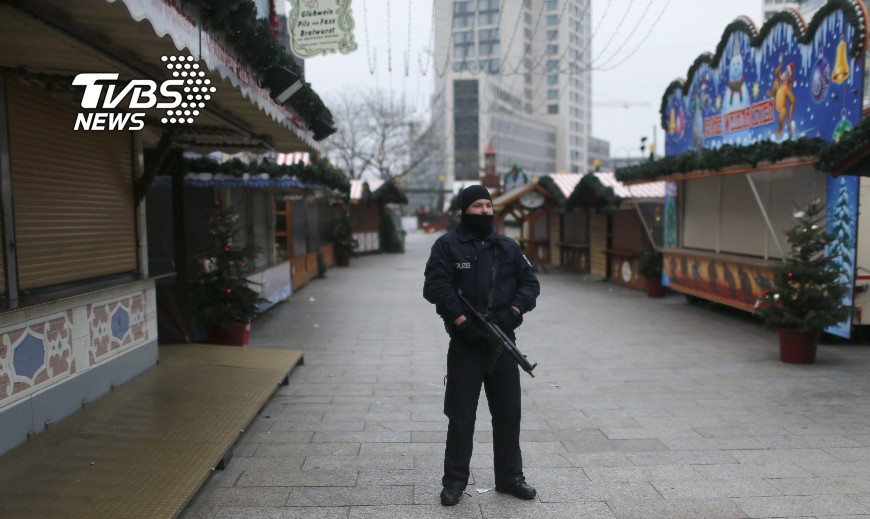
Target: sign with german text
pixel 321 27
pixel 786 80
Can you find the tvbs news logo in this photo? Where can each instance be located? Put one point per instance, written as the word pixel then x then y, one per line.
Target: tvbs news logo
pixel 112 106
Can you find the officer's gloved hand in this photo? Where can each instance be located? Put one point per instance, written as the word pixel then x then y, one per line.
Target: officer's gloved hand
pixel 508 319
pixel 472 334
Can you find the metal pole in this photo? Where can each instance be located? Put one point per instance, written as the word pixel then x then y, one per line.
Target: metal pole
pixel 642 220
pixel 766 219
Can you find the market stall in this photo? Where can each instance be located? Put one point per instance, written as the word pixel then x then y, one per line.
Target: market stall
pixel 744 136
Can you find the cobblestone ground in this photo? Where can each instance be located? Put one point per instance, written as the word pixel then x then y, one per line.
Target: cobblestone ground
pixel 640 408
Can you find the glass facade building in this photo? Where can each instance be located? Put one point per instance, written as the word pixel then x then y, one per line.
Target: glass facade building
pixel 519 66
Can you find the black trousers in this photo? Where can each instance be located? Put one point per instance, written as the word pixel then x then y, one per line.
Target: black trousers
pixel 467 369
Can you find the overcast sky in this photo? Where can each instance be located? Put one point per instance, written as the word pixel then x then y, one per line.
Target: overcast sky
pixel 394 38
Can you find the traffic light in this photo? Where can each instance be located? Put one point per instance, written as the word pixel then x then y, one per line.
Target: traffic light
pixel 642 144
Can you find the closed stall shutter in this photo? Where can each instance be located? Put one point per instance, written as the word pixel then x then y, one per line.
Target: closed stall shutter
pixel 73 195
pixel 2 266
pixel 701 222
pixel 553 234
pixel 598 244
pixel 300 243
pixel 628 233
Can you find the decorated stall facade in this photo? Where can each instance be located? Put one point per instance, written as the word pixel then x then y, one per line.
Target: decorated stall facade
pixel 285 214
pixel 743 136
pixel 83 137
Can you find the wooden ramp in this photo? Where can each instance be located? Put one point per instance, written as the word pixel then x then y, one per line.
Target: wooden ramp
pixel 145 449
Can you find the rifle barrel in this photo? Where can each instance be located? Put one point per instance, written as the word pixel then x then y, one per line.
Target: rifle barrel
pixel 499 335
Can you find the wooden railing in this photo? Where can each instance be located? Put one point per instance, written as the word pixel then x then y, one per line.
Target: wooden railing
pixel 575 256
pixel 537 251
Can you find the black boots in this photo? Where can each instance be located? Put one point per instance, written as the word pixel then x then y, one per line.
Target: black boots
pixel 520 490
pixel 450 496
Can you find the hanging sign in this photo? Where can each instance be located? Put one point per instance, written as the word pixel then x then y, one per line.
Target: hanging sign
pixel 321 26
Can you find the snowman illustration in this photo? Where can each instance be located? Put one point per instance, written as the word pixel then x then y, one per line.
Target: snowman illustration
pixel 737 95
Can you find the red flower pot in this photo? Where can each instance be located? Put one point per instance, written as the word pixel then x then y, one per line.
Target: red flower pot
pixel 236 334
pixel 797 347
pixel 343 261
pixel 654 287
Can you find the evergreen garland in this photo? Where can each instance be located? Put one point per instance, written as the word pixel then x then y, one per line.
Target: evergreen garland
pixel 852 12
pixel 387 193
pixel 591 193
pixel 319 172
pixel 254 41
pixel 726 156
pixel 850 143
pixel 805 292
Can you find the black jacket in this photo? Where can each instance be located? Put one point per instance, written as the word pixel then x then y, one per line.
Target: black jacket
pixel 460 260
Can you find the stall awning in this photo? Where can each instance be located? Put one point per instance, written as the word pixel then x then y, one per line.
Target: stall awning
pixel 61 39
pixel 646 192
pixel 245 181
pixel 292 158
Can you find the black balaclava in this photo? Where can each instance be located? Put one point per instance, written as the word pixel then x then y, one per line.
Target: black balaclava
pixel 479 225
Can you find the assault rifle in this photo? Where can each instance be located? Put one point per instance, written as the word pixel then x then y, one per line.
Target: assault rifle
pixel 500 341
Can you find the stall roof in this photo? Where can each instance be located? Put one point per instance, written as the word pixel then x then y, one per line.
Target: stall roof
pixel 358 187
pixel 515 193
pixel 129 37
pixel 376 191
pixel 649 191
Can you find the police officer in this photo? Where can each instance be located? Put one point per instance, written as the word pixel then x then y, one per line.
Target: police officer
pixel 494 276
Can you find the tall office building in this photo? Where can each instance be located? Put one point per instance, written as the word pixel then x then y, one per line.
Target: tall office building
pixel 512 73
pixel 771 7
pixel 807 7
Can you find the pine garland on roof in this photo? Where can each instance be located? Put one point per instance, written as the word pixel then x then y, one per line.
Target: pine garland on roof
pixel 851 142
pixel 591 193
pixel 254 41
pixel 724 157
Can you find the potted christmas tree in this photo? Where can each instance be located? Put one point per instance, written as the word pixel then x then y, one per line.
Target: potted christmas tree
pixel 806 294
pixel 224 300
pixel 649 265
pixel 344 242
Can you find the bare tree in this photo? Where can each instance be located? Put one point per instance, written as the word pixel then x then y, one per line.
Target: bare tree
pixel 378 135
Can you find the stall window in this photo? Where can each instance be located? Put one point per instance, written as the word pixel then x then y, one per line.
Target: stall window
pixel 575 229
pixel 702 213
pixel 783 192
pixel 260 227
pixel 722 213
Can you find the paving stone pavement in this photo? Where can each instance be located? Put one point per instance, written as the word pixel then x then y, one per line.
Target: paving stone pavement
pixel 640 408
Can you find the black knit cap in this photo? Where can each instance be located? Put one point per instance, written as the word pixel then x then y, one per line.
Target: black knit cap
pixel 473 193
